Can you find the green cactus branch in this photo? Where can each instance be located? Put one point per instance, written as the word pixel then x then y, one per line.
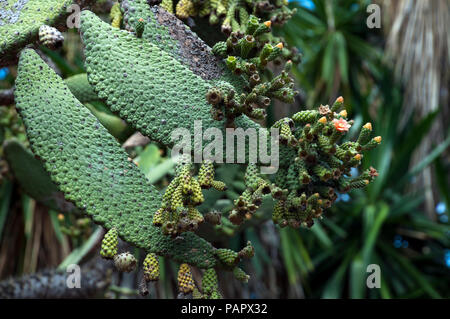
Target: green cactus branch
pixel 145 85
pixel 20 21
pixel 33 178
pixel 90 167
pixel 172 36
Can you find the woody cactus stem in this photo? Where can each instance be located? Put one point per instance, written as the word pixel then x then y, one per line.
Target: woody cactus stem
pixel 247 55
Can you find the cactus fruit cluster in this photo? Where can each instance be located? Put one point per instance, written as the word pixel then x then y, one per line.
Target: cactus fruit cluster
pixel 247 54
pixel 147 71
pixel 178 212
pixel 231 14
pixel 315 165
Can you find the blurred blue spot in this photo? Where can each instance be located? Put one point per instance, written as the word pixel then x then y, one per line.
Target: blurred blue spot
pixel 397 243
pixel 343 197
pixel 443 219
pixel 354 172
pixel 3 73
pixel 307 4
pixel 405 244
pixel 440 208
pixel 354 7
pixel 447 258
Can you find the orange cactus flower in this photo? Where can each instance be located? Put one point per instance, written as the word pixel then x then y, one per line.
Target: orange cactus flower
pixel 341 125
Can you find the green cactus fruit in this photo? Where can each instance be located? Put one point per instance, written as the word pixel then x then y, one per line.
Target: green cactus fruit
pixel 337 104
pixel 248 251
pixel 215 295
pixel 167 5
pixel 196 294
pixel 227 256
pixel 240 275
pixel 50 37
pixel 125 262
pixel 374 142
pixel 91 168
pixel 151 267
pixel 115 15
pixel 304 117
pixel 110 244
pixel 206 174
pixel 209 281
pixel 219 185
pixel 139 28
pixel 186 283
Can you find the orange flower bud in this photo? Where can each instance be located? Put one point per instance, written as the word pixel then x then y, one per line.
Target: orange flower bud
pixel 368 126
pixel 377 139
pixel 366 181
pixel 279 45
pixel 268 23
pixel 340 99
pixel 343 113
pixel 323 120
pixel 357 157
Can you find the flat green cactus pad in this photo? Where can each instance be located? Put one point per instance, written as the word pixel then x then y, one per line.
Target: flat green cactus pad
pixel 79 86
pixel 145 85
pixel 20 21
pixel 170 34
pixel 91 168
pixel 33 178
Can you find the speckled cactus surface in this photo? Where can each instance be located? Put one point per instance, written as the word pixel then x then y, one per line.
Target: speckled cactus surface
pixel 116 64
pixel 20 21
pixel 91 168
